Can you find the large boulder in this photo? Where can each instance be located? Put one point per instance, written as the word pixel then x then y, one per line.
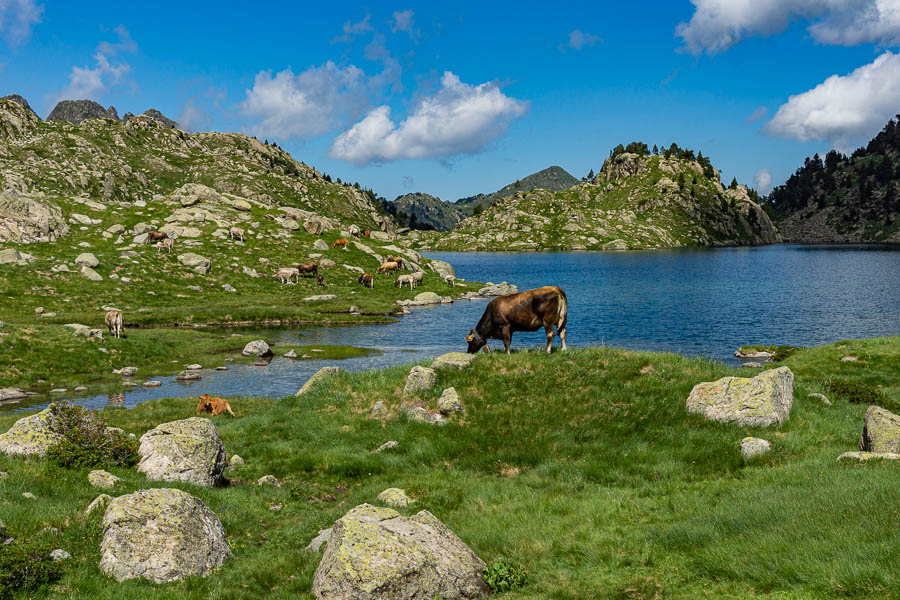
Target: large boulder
pixel 91 274
pixel 442 268
pixel 498 289
pixel 9 256
pixel 162 535
pixel 30 435
pixel 375 553
pixel 881 431
pixel 427 298
pixel 25 220
pixel 8 394
pixel 189 450
pixel 86 259
pixel 199 263
pixel 419 379
pixel 321 374
pixel 314 225
pixel 257 348
pixel 763 401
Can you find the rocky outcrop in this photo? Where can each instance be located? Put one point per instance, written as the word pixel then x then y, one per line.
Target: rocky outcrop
pixel 763 401
pixel 21 102
pixel 374 553
pixel 190 450
pixel 26 220
pixel 30 435
pixel 161 535
pixel 881 431
pixel 320 375
pixel 77 111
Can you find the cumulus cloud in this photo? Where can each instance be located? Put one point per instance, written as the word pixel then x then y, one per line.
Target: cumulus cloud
pixel 763 180
pixel 458 119
pixel 17 18
pixel 579 39
pixel 844 108
pixel 304 105
pixel 716 25
pixel 94 82
pixel 403 21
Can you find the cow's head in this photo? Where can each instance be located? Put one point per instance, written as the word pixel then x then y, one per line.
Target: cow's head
pixel 205 404
pixel 475 341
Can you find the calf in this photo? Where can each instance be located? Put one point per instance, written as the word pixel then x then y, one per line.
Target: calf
pixel 404 279
pixel 545 307
pixel 214 406
pixel 167 243
pixel 451 280
pixel 311 267
pixel 115 323
pixel 368 280
pixel 341 243
pixel 286 274
pixel 155 236
pixel 235 233
pixel 388 266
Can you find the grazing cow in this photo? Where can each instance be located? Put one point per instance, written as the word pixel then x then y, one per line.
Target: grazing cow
pixel 354 231
pixel 545 307
pixel 214 406
pixel 320 280
pixel 417 277
pixel 115 323
pixel 367 233
pixel 287 273
pixel 341 242
pixel 396 259
pixel 156 236
pixel 236 232
pixel 388 266
pixel 404 279
pixel 311 267
pixel 167 243
pixel 368 280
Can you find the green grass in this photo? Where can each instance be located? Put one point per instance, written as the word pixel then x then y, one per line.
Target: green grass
pixel 582 467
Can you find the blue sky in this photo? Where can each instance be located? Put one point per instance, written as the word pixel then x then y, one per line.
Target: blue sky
pixel 465 98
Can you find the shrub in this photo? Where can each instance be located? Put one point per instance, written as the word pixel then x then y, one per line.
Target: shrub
pixel 26 567
pixel 502 576
pixel 858 392
pixel 86 441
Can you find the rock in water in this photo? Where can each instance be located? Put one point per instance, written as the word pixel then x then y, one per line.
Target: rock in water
pixel 763 401
pixel 375 553
pixel 257 348
pixel 161 535
pixel 453 360
pixel 321 374
pixel 419 379
pixel 189 450
pixel 30 435
pixel 881 431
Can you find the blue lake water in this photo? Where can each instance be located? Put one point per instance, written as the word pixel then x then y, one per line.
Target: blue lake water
pixel 703 302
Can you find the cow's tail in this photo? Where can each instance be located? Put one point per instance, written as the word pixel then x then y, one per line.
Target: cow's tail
pixel 562 314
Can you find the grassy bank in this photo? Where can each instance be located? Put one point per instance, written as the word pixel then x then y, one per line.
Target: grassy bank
pixel 581 466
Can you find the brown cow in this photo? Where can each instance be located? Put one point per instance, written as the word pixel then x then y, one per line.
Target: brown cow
pixel 366 233
pixel 387 266
pixel 545 307
pixel 156 236
pixel 367 279
pixel 396 259
pixel 311 267
pixel 320 280
pixel 341 242
pixel 214 406
pixel 115 323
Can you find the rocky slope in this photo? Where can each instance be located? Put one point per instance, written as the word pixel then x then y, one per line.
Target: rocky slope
pixel 443 215
pixel 844 199
pixel 636 201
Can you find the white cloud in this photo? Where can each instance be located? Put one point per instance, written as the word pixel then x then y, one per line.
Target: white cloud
pixel 193 116
pixel 716 25
pixel 403 21
pixel 304 105
pixel 579 39
pixel 763 180
pixel 458 119
pixel 351 30
pixel 843 109
pixel 93 82
pixel 17 18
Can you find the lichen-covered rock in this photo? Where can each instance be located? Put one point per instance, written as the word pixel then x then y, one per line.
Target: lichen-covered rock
pixel 881 431
pixel 866 456
pixel 91 274
pixel 161 535
pixel 10 393
pixel 321 374
pixel 449 402
pixel 257 348
pixel 189 450
pixel 419 379
pixel 763 401
pixel 102 479
pixel 317 542
pixel 86 259
pixel 426 298
pixel 98 503
pixel 442 268
pixel 30 435
pixel 453 360
pixel 752 447
pixel 268 480
pixel 498 289
pixel 395 497
pixel 374 553
pixel 199 263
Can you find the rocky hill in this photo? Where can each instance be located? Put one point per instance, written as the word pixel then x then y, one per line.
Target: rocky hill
pixel 638 200
pixel 843 199
pixel 77 111
pixel 443 215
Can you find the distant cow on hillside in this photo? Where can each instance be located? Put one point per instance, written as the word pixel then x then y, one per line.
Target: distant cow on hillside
pixel 156 236
pixel 235 233
pixel 168 244
pixel 341 243
pixel 115 323
pixel 545 307
pixel 368 280
pixel 405 279
pixel 388 266
pixel 311 267
pixel 286 274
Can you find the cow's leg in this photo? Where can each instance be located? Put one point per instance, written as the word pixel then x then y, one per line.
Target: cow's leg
pixel 562 336
pixel 549 331
pixel 507 338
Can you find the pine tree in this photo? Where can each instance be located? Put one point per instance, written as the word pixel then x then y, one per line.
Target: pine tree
pixel 590 175
pixel 655 149
pixel 733 184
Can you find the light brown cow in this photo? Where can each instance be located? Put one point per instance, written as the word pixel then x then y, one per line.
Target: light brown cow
pixel 168 244
pixel 388 266
pixel 213 406
pixel 367 279
pixel 155 236
pixel 366 233
pixel 341 242
pixel 396 259
pixel 115 323
pixel 286 274
pixel 236 232
pixel 311 267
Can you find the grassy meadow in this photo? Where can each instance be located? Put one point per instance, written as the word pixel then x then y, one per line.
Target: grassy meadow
pixel 582 466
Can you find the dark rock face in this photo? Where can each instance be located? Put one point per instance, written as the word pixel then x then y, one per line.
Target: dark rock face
pixel 76 111
pixel 155 114
pixel 19 100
